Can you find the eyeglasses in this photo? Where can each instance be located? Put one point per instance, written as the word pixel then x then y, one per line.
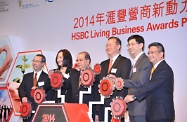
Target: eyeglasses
pixel 132 44
pixel 111 45
pixel 152 52
pixel 36 61
pixel 80 60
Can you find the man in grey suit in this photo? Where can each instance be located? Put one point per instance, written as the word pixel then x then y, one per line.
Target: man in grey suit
pixel 139 76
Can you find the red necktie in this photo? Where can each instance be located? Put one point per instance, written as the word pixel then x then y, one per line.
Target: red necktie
pixel 35 79
pixel 110 65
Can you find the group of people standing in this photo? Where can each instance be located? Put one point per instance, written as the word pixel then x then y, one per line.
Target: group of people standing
pixel 149 97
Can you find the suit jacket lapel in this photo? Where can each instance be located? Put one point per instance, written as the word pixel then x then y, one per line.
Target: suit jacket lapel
pixel 41 75
pixel 157 68
pixel 116 62
pixel 138 61
pixel 159 65
pixel 78 80
pixel 32 77
pixel 105 67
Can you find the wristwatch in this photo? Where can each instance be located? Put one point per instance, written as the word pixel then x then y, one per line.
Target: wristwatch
pixel 133 97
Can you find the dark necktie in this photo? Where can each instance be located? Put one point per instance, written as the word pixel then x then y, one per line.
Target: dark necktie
pixel 79 80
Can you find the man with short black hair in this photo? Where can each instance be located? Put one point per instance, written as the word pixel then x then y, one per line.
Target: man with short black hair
pixel 28 83
pixel 158 92
pixel 141 68
pixel 120 67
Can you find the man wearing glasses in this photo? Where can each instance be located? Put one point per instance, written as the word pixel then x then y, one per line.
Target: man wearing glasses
pixel 32 80
pixel 83 62
pixel 158 92
pixel 141 68
pixel 74 86
pixel 140 74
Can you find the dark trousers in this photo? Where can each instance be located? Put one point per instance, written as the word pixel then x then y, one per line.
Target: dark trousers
pixel 101 114
pixel 161 120
pixel 29 119
pixel 137 118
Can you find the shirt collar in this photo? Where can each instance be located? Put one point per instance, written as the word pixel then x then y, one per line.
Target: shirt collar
pixel 38 74
pixel 114 58
pixel 157 63
pixel 137 57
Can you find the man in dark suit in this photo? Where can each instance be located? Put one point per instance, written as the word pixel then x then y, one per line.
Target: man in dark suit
pixel 74 85
pixel 121 67
pixel 27 83
pixel 158 92
pixel 83 62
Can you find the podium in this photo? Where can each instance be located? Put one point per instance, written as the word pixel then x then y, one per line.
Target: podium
pixel 61 112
